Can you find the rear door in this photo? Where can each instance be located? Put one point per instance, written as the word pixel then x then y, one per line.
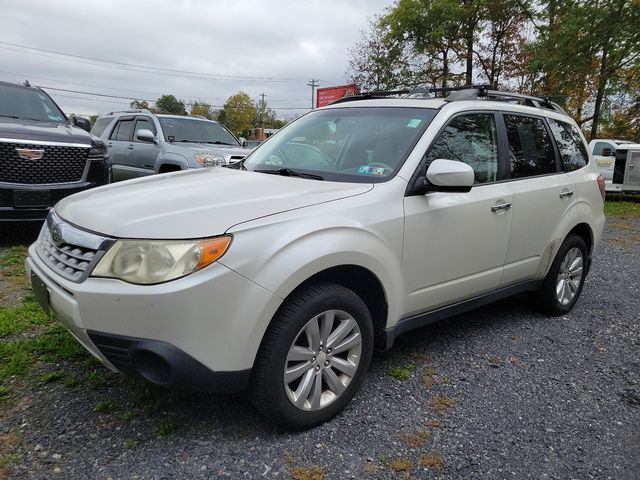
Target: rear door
pixel 120 145
pixel 455 243
pixel 542 192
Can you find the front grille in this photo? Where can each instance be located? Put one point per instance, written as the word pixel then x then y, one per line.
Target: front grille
pixel 59 164
pixel 74 253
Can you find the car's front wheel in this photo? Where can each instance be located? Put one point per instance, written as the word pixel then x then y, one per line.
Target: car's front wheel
pixel 313 357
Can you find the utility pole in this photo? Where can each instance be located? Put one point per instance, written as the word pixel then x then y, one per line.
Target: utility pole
pixel 263 106
pixel 313 84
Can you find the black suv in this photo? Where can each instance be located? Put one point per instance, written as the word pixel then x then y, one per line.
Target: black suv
pixel 44 156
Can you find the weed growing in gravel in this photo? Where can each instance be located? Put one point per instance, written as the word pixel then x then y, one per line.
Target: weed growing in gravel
pixel 428 380
pixel 8 459
pixel 442 404
pixel 431 461
pixel 130 443
pixel 306 473
pixel 399 465
pixel 52 377
pixel 413 440
pixel 71 381
pixel 433 423
pixel 166 426
pixel 127 415
pixel 104 406
pixel 96 379
pixel 420 357
pixel 401 373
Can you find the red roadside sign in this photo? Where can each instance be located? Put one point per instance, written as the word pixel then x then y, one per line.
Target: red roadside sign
pixel 326 95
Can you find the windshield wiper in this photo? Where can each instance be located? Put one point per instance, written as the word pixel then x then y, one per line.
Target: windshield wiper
pixel 20 118
pixel 288 172
pixel 217 142
pixel 9 116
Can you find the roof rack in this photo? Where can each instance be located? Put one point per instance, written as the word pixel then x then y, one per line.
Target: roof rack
pixel 485 92
pixel 139 110
pixel 461 93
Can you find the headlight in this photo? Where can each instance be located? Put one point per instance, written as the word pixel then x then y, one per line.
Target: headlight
pixel 147 262
pixel 210 159
pixel 98 149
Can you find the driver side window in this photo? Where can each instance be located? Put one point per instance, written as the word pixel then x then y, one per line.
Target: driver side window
pixel 471 139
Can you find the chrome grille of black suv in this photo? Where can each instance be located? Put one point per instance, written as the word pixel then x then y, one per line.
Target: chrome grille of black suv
pixel 59 164
pixel 70 252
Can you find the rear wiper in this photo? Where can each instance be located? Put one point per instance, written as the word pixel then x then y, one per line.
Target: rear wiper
pixel 288 172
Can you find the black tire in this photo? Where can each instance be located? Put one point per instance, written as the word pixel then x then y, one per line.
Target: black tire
pixel 546 299
pixel 269 389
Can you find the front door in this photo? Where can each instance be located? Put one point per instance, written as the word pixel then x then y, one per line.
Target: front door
pixel 455 243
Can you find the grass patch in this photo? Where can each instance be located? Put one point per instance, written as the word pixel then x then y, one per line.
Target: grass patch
pixel 12 262
pixel 400 465
pixel 435 462
pixel 401 373
pixel 51 377
pixel 96 379
pixel 306 473
pixel 442 404
pixel 9 459
pixel 166 427
pixel 413 440
pixel 104 406
pixel 622 209
pixel 130 443
pixel 428 379
pixel 127 415
pixel 22 318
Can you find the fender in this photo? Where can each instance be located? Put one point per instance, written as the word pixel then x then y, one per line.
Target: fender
pixel 171 159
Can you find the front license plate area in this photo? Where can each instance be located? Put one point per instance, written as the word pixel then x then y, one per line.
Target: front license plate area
pixel 31 198
pixel 40 291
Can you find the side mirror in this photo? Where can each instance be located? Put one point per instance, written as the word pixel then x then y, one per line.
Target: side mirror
pixel 607 152
pixel 145 135
pixel 81 122
pixel 450 176
pixel 243 142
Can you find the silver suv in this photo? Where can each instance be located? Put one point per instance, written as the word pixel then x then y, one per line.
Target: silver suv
pixel 143 143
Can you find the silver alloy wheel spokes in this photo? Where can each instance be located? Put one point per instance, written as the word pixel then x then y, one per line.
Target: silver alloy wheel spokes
pixel 570 276
pixel 322 360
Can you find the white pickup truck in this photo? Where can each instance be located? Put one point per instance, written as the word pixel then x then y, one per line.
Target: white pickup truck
pixel 618 162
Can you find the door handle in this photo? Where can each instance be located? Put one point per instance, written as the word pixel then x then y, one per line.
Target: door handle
pixel 109 144
pixel 566 194
pixel 130 147
pixel 501 206
pixel 631 166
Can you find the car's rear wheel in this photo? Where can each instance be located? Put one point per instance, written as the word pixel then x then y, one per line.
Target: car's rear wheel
pixel 564 281
pixel 313 357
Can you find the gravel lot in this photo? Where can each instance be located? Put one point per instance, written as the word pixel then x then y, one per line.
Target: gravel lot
pixel 500 392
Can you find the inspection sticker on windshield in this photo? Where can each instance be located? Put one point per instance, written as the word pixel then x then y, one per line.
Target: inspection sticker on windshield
pixel 369 170
pixel 413 123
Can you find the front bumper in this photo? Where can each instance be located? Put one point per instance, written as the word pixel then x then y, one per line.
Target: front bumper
pixel 201 332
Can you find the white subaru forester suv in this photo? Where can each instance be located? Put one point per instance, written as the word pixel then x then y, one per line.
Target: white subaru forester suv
pixel 352 225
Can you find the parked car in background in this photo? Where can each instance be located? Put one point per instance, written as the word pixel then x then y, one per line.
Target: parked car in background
pixel 253 143
pixel 44 156
pixel 604 152
pixel 358 222
pixel 143 143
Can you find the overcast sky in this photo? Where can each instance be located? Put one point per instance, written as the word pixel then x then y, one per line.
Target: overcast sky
pixel 271 47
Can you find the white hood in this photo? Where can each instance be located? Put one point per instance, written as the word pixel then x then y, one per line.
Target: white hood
pixel 194 203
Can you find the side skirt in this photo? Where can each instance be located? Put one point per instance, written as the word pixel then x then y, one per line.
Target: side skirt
pixel 422 319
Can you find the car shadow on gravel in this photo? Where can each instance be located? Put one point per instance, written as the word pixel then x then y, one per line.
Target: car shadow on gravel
pixel 18 233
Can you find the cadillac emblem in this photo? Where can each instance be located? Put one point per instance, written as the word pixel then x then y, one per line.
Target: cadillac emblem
pixel 56 235
pixel 30 154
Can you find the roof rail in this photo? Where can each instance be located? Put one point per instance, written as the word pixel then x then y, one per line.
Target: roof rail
pixel 484 92
pixel 138 110
pixel 405 91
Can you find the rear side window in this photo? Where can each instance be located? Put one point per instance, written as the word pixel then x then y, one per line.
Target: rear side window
pixel 530 148
pixel 572 150
pixel 100 126
pixel 470 139
pixel 122 131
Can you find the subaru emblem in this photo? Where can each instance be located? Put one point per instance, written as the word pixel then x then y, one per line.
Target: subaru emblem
pixel 56 235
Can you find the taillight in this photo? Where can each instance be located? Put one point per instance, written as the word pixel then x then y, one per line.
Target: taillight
pixel 601 186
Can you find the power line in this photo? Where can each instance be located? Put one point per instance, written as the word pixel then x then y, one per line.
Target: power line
pixel 313 84
pixel 147 68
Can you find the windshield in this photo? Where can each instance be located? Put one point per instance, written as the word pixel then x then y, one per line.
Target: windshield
pixel 28 104
pixel 195 131
pixel 355 144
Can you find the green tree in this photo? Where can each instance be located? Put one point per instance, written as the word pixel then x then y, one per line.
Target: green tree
pixel 203 109
pixel 265 116
pixel 140 105
pixel 238 114
pixel 170 104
